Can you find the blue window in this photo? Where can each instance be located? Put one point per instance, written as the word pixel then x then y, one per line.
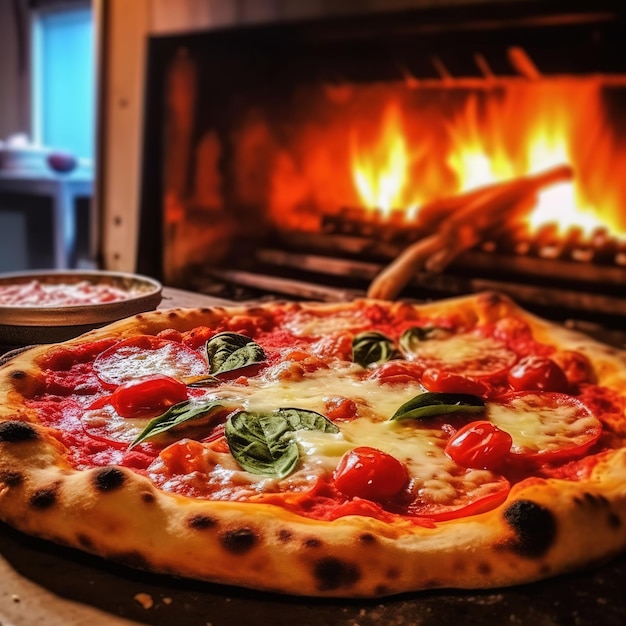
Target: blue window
pixel 64 80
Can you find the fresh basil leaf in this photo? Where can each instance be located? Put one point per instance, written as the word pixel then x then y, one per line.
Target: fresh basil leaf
pixel 231 351
pixel 261 442
pixel 372 347
pixel 179 416
pixel 302 419
pixel 431 404
pixel 411 338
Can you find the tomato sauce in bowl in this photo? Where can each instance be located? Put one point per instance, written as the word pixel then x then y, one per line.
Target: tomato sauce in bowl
pixel 45 307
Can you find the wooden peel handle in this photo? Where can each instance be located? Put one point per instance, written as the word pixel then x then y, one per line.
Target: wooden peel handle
pixel 485 210
pixel 437 212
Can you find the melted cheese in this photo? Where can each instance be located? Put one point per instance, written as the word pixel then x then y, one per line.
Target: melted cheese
pixel 266 394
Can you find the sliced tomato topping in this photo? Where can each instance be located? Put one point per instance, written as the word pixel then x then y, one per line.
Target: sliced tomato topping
pixel 537 373
pixel 104 424
pixel 148 396
pixel 477 498
pixel 369 473
pixel 546 427
pixel 147 355
pixel 469 354
pixel 480 444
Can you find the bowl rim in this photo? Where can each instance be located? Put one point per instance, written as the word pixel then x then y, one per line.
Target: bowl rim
pixel 149 295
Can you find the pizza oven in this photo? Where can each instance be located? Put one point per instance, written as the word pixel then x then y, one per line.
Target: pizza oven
pixel 299 159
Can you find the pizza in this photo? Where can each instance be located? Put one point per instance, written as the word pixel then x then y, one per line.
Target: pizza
pixel 354 449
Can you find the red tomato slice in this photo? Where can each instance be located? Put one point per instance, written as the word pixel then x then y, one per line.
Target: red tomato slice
pixel 546 427
pixel 104 424
pixel 369 473
pixel 537 373
pixel 480 444
pixel 469 354
pixel 481 497
pixel 146 355
pixel 148 396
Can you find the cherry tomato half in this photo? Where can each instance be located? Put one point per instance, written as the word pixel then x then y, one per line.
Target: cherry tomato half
pixel 371 474
pixel 340 408
pixel 397 372
pixel 535 373
pixel 440 381
pixel 184 457
pixel 481 445
pixel 147 396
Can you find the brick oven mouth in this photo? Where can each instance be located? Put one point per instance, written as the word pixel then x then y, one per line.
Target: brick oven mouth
pixel 235 115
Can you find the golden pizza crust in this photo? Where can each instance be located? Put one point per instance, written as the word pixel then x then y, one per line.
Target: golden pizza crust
pixel 544 528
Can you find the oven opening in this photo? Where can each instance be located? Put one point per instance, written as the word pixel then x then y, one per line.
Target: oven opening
pixel 444 157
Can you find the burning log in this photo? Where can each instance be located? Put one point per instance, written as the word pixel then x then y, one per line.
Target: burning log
pixel 466 220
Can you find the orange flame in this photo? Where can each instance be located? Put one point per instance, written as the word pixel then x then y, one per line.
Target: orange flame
pixel 380 173
pixel 521 130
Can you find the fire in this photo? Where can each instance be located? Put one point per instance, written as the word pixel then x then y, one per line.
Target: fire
pixel 380 172
pixel 523 129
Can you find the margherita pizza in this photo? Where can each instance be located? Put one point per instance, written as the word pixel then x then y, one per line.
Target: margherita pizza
pixel 358 449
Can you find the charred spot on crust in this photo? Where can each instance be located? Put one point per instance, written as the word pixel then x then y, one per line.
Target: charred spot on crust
pixel 332 573
pixel 534 526
pixel 614 521
pixel 134 560
pixel 148 497
pixel 15 431
pixel 11 479
pixel 84 541
pixel 44 498
pixel 108 479
pixel 594 500
pixel 367 538
pixel 432 583
pixel 239 540
pixel 312 542
pixel 483 568
pixel 201 522
pixel 18 375
pixel 284 535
